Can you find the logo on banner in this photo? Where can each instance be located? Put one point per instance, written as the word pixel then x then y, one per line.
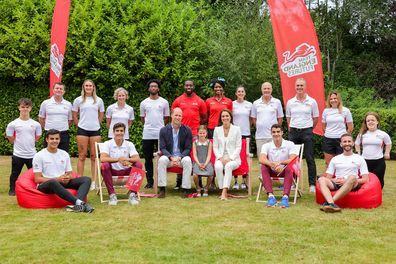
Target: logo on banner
pixel 56 59
pixel 302 60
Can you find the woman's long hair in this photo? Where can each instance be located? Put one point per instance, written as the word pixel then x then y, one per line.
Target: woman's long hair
pixel 83 95
pixel 363 128
pixel 339 106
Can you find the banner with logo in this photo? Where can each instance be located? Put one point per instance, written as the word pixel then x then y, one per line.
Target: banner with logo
pixel 297 50
pixel 135 179
pixel 60 24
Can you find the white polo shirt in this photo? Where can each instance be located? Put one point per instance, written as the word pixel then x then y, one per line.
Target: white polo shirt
pixel 119 114
pixel 343 166
pixel 153 112
pixel 266 115
pixel 274 153
pixel 26 132
pixel 373 144
pixel 241 113
pixel 57 115
pixel 89 112
pixel 52 165
pixel 127 149
pixel 301 113
pixel 336 121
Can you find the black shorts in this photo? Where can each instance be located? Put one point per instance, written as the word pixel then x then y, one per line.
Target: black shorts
pixel 331 146
pixel 87 133
pixel 243 137
pixel 336 187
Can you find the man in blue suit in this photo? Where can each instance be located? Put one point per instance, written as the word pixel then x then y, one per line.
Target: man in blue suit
pixel 175 145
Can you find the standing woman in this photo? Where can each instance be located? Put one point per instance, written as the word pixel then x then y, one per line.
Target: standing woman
pixel 227 143
pixel 216 104
pixel 241 110
pixel 336 121
pixel 119 112
pixel 373 140
pixel 91 112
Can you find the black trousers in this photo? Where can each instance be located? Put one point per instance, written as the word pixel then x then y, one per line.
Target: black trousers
pixel 378 168
pixel 16 168
pixel 64 140
pixel 81 184
pixel 149 147
pixel 305 136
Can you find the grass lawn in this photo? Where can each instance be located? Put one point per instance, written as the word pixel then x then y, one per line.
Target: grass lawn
pixel 201 230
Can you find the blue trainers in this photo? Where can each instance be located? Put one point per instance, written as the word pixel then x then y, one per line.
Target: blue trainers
pixel 285 202
pixel 271 202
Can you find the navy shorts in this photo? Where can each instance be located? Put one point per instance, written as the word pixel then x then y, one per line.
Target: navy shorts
pixel 336 187
pixel 331 146
pixel 87 133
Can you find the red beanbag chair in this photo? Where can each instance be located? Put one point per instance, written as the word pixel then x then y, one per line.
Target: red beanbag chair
pixel 368 196
pixel 29 197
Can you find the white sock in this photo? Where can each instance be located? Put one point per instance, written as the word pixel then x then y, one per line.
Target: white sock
pixel 79 202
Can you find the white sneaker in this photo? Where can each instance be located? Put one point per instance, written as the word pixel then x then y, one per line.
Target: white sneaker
pixel 93 186
pixel 243 186
pixel 113 199
pixel 312 189
pixel 133 199
pixel 236 186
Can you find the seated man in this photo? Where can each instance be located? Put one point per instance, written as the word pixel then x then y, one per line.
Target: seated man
pixel 274 157
pixel 52 172
pixel 175 145
pixel 117 156
pixel 345 167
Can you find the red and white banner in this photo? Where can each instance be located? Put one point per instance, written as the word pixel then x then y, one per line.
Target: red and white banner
pixel 297 49
pixel 60 24
pixel 135 179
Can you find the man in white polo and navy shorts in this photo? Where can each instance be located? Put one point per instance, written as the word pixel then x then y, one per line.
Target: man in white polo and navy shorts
pixel 52 172
pixel 302 114
pixel 56 113
pixel 346 168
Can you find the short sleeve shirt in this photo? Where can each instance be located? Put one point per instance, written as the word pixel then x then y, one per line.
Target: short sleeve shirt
pixel 57 115
pixel 373 144
pixel 192 108
pixel 336 121
pixel 153 112
pixel 25 132
pixel 119 114
pixel 127 149
pixel 274 153
pixel 343 166
pixel 52 165
pixel 301 113
pixel 214 108
pixel 241 115
pixel 266 115
pixel 89 112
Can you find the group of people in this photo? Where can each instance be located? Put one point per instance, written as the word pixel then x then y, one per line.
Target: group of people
pixel 187 142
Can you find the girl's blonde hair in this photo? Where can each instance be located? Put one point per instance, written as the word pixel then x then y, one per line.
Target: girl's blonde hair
pixel 119 90
pixel 83 95
pixel 339 106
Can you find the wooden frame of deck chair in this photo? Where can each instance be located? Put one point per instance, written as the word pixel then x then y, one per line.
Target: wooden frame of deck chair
pixel 297 191
pixel 118 181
